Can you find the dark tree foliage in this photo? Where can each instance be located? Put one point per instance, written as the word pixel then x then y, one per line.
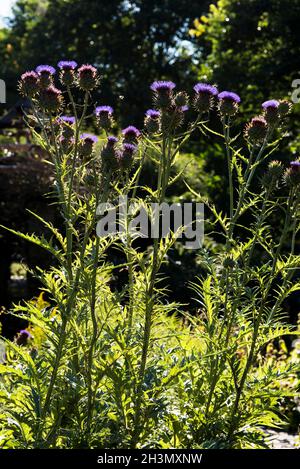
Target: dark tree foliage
pixel 252 46
pixel 132 42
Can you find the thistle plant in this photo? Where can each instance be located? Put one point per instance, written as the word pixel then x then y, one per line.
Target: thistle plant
pixel 109 367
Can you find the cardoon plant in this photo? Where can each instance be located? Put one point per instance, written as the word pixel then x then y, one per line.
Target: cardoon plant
pixel 107 367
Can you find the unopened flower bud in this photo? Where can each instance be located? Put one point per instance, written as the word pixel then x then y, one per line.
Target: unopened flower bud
pixel 86 145
pixel 292 174
pixel 66 144
pixel 181 99
pixel 256 130
pixel 87 77
pixel 272 175
pixel 126 155
pixel 51 99
pixel 109 155
pixel 284 107
pixel 29 84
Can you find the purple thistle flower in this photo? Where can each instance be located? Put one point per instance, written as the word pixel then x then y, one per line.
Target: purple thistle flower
pixel 87 69
pixel 29 75
pixel 25 333
pixel 295 165
pixel 45 69
pixel 271 104
pixel 184 108
pixel 128 147
pixel 162 86
pixel 125 156
pixel 153 114
pixel 229 96
pixel 112 140
pixel 103 109
pixel 89 138
pixel 67 65
pixel 131 133
pixel 67 119
pixel 23 337
pixel 205 88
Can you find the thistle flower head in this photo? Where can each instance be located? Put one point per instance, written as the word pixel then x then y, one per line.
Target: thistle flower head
pixel 109 155
pixel 66 119
pixel 88 138
pixel 66 124
pixel 271 111
pixel 228 103
pixel 205 88
pixel 295 165
pixel 256 130
pixel 45 73
pixel 29 83
pixel 103 110
pixel 271 104
pixel 181 99
pixel 184 108
pixel 131 134
pixel 67 75
pixel 152 121
pixel 126 155
pixel 129 148
pixel 104 116
pixel 112 140
pixel 153 114
pixel 67 65
pixel 292 174
pixel 159 86
pixel 66 143
pixel 45 70
pixel 204 95
pixel 284 107
pixel 229 96
pixel 86 145
pixel 23 337
pixel 163 93
pixel 87 77
pixel 272 175
pixel 51 99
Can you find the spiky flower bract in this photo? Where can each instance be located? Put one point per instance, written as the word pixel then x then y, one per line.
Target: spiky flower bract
pixel 163 93
pixel 87 77
pixel 131 134
pixel 51 99
pixel 256 130
pixel 29 84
